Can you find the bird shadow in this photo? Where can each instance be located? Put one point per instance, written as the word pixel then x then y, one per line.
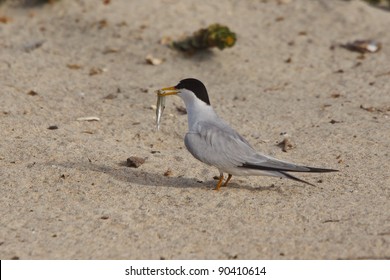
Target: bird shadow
pixel 272 187
pixel 147 179
pixel 131 175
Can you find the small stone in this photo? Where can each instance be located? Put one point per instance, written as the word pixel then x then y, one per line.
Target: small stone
pixel 32 93
pixel 182 110
pixel 150 59
pixel 335 95
pixel 135 162
pixel 110 96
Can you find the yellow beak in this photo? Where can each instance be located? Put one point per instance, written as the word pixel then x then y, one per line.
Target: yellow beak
pixel 167 91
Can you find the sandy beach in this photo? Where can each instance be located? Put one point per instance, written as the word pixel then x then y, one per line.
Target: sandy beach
pixel 67 193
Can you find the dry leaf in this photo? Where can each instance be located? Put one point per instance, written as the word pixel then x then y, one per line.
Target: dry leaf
pixel 95 71
pixel 382 109
pixel 286 143
pixel 363 46
pixel 74 66
pixel 102 23
pixel 5 19
pixel 110 50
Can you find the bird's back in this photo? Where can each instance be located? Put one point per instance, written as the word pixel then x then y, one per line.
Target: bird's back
pixel 214 142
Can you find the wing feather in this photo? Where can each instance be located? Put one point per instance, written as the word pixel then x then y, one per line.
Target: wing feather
pixel 219 145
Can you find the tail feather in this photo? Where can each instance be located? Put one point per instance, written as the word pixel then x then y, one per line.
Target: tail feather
pixel 289 176
pixel 282 170
pixel 287 169
pixel 317 170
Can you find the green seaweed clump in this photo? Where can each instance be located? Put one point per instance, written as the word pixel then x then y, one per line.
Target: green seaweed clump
pixel 215 35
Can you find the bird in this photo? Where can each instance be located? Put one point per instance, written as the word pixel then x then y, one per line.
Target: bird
pixel 214 142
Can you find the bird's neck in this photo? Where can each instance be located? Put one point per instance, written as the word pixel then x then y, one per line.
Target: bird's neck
pixel 198 111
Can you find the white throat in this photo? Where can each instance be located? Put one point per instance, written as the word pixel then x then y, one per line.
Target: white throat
pixel 197 110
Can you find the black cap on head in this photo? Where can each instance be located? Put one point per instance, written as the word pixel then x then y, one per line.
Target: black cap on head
pixel 197 87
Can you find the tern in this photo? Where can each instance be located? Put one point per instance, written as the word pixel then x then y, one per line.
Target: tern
pixel 212 141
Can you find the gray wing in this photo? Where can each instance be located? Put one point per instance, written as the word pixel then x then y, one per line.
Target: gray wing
pixel 219 145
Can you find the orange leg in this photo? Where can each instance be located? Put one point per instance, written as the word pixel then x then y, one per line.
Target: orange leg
pixel 219 182
pixel 227 180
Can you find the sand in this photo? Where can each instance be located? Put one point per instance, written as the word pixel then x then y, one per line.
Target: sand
pixel 66 193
